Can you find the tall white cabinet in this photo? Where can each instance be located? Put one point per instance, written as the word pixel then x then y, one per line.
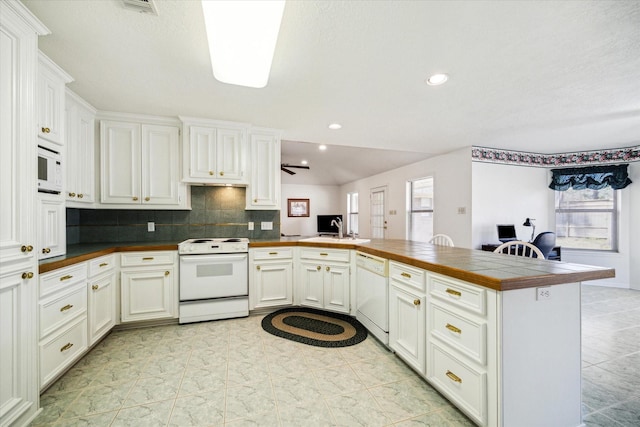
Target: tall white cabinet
pixel 19 30
pixel 264 183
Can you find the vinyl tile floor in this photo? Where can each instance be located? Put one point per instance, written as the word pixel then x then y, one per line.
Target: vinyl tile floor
pixel 232 373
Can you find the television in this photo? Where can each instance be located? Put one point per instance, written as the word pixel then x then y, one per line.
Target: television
pixel 324 224
pixel 506 233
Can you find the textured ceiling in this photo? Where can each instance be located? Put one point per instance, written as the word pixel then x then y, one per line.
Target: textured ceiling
pixel 538 76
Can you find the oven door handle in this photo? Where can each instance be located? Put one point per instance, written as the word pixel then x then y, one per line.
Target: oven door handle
pixel 217 258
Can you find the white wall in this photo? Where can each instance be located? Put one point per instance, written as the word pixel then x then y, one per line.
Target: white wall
pixel 452 189
pixel 323 200
pixel 634 225
pixel 508 194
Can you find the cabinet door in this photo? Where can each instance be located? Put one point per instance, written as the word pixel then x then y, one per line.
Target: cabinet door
pixel 336 287
pixel 202 153
pixel 312 285
pixel 160 164
pixel 102 306
pixel 407 326
pixel 51 83
pixel 264 187
pixel 120 162
pixel 52 230
pixel 80 136
pixel 147 294
pixel 273 284
pixel 230 154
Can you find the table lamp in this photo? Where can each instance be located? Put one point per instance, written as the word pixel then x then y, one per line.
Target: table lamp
pixel 529 223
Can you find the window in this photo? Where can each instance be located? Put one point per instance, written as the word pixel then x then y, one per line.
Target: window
pixel 352 212
pixel 587 219
pixel 420 209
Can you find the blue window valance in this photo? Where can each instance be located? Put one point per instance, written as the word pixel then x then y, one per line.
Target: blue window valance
pixel 592 177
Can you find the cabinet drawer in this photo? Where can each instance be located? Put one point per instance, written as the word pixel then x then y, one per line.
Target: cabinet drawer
pixel 463 384
pixel 101 265
pixel 458 293
pixel 272 253
pixel 461 332
pixel 62 308
pixel 325 254
pixel 137 259
pixel 62 349
pixel 410 276
pixel 63 278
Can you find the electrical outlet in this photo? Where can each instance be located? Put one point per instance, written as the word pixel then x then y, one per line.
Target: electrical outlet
pixel 250 225
pixel 266 225
pixel 543 293
pixel 151 226
pixel 462 210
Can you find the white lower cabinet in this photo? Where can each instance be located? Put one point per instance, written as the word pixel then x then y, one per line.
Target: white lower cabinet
pixel 407 314
pixel 101 293
pixel 63 320
pixel 149 286
pixel 325 280
pixel 271 278
pixel 52 238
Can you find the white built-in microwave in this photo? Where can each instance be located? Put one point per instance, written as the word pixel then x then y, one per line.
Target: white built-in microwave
pixel 49 171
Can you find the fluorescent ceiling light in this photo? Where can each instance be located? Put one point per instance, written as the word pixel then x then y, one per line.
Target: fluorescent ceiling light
pixel 242 37
pixel 437 79
pixel 335 126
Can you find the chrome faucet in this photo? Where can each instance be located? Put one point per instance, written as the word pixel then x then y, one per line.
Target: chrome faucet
pixel 337 223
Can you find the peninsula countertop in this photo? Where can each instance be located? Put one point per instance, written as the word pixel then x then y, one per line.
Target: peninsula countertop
pixel 495 271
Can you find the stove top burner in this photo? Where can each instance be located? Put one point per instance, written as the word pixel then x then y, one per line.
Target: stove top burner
pixel 214 245
pixel 202 240
pixel 233 240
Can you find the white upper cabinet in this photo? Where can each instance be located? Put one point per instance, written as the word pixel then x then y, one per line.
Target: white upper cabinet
pixel 139 164
pixel 214 152
pixel 264 157
pixel 80 159
pixel 51 99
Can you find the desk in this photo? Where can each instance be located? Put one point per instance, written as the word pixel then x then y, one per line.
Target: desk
pixel 555 254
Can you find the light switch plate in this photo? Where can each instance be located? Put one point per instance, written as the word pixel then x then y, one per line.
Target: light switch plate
pixel 250 225
pixel 151 226
pixel 266 225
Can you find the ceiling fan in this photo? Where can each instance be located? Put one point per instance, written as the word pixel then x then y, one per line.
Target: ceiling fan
pixel 284 167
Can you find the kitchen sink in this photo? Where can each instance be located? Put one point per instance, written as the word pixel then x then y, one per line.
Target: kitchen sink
pixel 344 240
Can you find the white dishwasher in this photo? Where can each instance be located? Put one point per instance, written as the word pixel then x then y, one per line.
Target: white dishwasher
pixel 372 294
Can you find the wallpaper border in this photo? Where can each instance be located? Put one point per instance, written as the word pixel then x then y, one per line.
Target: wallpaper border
pixel 578 158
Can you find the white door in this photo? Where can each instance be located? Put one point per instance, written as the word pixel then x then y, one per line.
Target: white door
pixel 102 306
pixel 80 166
pixel 407 326
pixel 264 191
pixel 336 287
pixel 202 153
pixel 120 162
pixel 378 221
pixel 160 174
pixel 312 280
pixel 229 154
pixel 147 294
pixel 52 230
pixel 274 284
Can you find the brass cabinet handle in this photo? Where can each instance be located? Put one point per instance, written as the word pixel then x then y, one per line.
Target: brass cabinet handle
pixel 221 173
pixel 255 200
pixel 27 275
pixel 46 250
pixel 454 377
pixel 210 172
pixel 257 267
pixel 103 264
pixel 46 130
pixel 453 292
pixel 146 199
pixel 27 248
pixel 66 307
pixel 318 268
pixel 72 194
pixel 453 328
pixel 66 347
pixel 416 302
pixel 95 287
pixel 323 254
pixel 166 273
pixel 80 196
pixel 135 199
pixel 273 253
pixel 67 277
pixel 407 275
pixel 147 258
pixel 328 268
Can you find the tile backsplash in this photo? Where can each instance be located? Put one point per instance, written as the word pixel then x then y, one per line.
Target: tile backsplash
pixel 216 212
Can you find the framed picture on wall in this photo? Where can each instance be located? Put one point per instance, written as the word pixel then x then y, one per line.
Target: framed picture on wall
pixel 298 207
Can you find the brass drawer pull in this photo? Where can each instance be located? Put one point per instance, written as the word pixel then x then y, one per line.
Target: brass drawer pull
pixel 416 302
pixel 80 196
pixel 146 199
pixel 147 258
pixel 328 268
pixel 453 328
pixel 273 253
pixel 46 250
pixel 66 347
pixel 324 254
pixel 257 267
pixel 72 194
pixel 67 277
pixel 166 273
pixel 28 275
pixel 221 173
pixel 453 292
pixel 95 287
pixel 27 248
pixel 210 172
pixel 407 275
pixel 46 130
pixel 66 307
pixel 318 268
pixel 103 264
pixel 454 377
pixel 135 199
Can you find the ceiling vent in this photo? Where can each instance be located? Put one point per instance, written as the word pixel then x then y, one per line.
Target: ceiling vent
pixel 143 6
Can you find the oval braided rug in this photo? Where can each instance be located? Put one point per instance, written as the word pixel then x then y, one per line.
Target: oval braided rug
pixel 315 327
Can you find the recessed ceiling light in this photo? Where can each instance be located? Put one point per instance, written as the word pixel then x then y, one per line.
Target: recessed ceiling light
pixel 335 126
pixel 304 162
pixel 322 147
pixel 437 79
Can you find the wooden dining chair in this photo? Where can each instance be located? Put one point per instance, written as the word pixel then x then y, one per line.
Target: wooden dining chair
pixel 519 248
